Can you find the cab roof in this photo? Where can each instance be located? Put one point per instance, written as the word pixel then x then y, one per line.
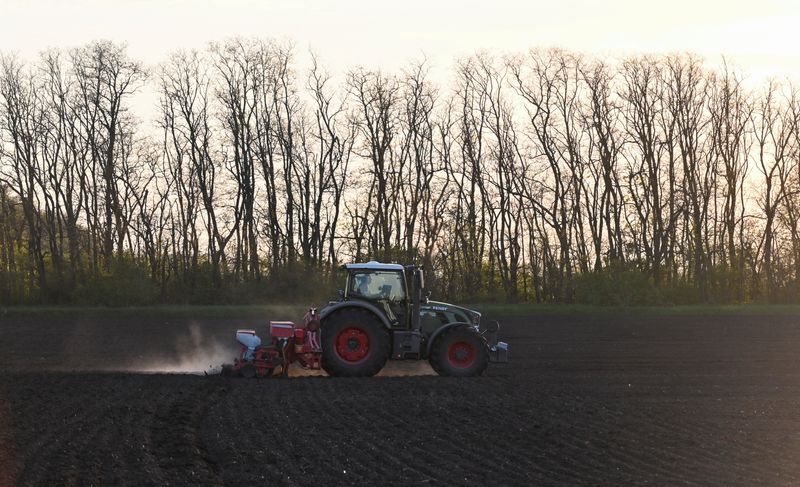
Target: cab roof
pixel 374 265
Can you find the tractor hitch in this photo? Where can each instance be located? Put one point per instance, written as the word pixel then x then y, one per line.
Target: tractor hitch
pixel 498 351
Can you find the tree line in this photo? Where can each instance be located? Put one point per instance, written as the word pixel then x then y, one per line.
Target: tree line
pixel 546 176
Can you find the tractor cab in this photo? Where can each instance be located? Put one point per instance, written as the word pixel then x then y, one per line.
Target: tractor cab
pixel 395 289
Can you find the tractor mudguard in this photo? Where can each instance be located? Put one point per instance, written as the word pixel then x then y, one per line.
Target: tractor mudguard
pixel 328 310
pixel 432 338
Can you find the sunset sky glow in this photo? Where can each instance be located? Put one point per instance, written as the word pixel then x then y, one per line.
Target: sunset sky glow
pixel 761 38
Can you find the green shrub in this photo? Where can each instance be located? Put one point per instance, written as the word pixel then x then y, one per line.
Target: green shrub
pixel 617 284
pixel 126 283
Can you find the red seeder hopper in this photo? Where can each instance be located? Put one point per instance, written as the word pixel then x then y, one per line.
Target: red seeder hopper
pixel 288 343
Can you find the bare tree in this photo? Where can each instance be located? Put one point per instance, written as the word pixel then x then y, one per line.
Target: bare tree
pixel 106 77
pixel 21 122
pixel 548 84
pixel 774 133
pixel 334 148
pixel 375 98
pixel 651 160
pixel 237 64
pixel 731 112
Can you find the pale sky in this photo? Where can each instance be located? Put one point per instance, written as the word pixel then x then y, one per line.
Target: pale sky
pixel 760 38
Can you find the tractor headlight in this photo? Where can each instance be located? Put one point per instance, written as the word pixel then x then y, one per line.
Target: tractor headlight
pixel 476 318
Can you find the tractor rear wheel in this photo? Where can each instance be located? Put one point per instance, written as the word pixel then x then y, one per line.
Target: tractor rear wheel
pixel 354 344
pixel 459 352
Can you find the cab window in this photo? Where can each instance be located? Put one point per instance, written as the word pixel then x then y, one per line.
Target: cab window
pixel 377 285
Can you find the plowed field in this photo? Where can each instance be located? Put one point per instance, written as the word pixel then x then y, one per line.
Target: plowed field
pixel 585 401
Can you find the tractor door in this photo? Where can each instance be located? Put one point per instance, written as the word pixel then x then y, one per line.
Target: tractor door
pixel 399 299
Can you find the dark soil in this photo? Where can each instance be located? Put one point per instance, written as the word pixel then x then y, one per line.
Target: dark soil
pixel 585 401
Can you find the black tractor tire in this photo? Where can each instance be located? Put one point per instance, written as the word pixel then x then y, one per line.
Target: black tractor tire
pixel 354 344
pixel 459 352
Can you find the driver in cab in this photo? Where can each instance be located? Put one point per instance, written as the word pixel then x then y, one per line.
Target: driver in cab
pixel 371 288
pixel 363 285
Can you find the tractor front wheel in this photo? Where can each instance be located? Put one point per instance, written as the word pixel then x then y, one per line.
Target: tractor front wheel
pixel 354 344
pixel 459 352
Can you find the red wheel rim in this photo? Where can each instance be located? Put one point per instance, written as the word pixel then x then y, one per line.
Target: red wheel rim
pixel 461 354
pixel 352 344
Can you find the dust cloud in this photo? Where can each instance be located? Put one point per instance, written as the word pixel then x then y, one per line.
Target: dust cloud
pixel 195 353
pixel 200 353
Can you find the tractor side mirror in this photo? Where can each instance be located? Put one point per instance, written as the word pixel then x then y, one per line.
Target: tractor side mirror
pixel 341 293
pixel 426 297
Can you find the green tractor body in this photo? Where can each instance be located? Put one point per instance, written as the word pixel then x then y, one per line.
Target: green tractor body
pixel 384 313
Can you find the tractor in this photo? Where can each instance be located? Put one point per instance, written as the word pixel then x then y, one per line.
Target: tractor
pixel 382 313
